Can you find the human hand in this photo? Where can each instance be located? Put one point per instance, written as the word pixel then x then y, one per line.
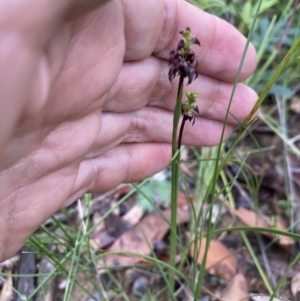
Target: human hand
pixel 86 102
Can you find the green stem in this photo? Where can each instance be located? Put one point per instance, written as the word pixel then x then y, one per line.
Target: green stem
pixel 174 190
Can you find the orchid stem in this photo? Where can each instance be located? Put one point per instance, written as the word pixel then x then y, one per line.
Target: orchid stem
pixel 183 62
pixel 174 191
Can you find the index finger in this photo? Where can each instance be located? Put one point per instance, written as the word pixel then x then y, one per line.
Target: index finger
pixel 155 30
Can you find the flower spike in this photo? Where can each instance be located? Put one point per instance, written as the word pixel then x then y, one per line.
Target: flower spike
pixel 183 60
pixel 189 107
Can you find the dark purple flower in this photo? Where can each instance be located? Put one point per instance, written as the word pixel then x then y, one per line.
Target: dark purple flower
pixel 183 60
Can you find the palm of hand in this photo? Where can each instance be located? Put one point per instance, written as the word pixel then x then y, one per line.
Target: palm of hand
pixel 88 120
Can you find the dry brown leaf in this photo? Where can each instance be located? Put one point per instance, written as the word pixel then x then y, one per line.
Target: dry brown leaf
pixel 236 289
pixel 141 238
pixel 295 286
pixel 7 289
pixel 105 233
pixel 100 238
pixel 134 215
pixel 220 260
pixel 252 219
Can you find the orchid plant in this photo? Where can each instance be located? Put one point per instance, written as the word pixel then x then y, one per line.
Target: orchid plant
pixel 183 63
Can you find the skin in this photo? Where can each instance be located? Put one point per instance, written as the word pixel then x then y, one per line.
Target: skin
pixel 86 103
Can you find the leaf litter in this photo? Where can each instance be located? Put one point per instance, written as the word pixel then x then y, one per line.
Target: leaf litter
pixel 130 233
